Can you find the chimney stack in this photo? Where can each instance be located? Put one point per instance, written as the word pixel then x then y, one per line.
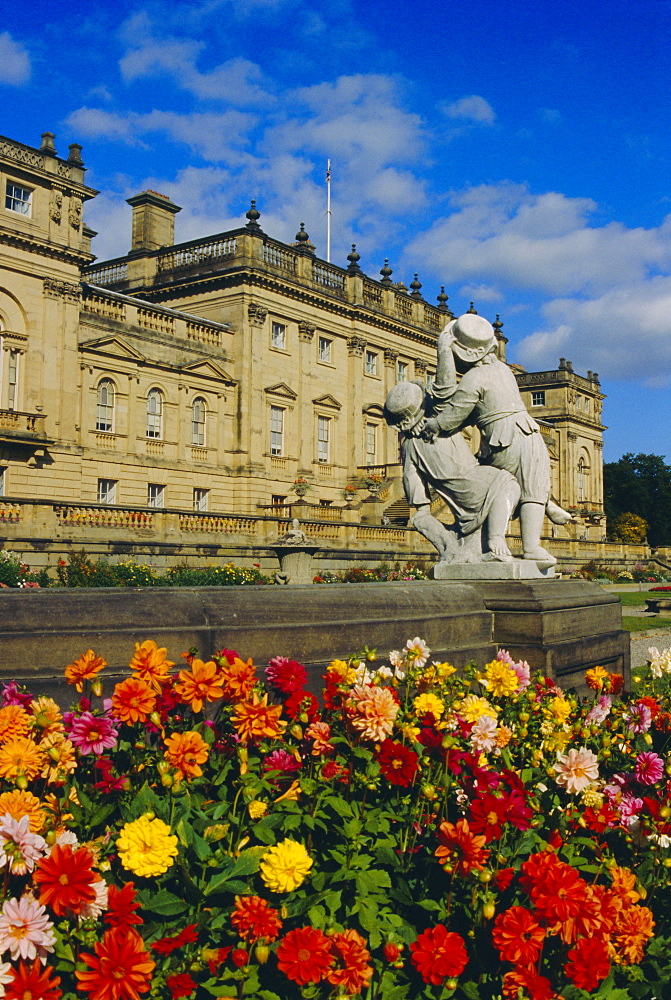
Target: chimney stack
pixel 153 221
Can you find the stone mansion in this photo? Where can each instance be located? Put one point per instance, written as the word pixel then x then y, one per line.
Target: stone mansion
pixel 218 378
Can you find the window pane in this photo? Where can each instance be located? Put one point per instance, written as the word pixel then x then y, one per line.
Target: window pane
pixel 402 371
pixel 17 199
pixel 371 363
pixel 538 398
pixel 154 413
pixel 201 499
pixel 155 495
pixel 105 408
pixel 371 444
pixel 323 438
pixel 107 491
pixel 2 481
pixel 278 336
pixel 13 373
pixel 325 350
pixel 276 430
pixel 198 422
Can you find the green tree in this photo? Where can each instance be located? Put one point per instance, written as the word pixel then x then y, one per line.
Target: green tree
pixel 628 528
pixel 640 484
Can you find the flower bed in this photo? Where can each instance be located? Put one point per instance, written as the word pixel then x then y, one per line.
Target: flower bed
pixel 214 831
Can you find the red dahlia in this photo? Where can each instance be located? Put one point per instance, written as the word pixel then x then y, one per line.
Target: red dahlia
pixel 66 879
pixel 398 763
pixel 120 969
pixel 518 936
pixel 122 906
pixel 304 955
pixel 181 985
pixel 166 945
pixel 352 972
pixel 588 963
pixel 439 954
pixel 254 918
pixel 32 982
pixel 286 676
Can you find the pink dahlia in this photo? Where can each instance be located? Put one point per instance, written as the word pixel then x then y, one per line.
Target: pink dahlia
pixel 576 770
pixel 25 929
pixel 649 768
pixel 372 711
pixel 639 718
pixel 281 760
pixel 19 848
pixel 12 695
pixel 93 733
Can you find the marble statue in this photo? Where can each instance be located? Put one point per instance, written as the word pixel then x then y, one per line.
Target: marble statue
pixel 480 496
pixel 487 396
pixel 295 535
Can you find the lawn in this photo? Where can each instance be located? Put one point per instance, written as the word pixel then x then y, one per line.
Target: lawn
pixel 641 624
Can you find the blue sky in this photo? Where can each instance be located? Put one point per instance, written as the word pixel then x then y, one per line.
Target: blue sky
pixel 518 153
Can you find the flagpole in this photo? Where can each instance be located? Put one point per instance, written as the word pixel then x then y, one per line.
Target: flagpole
pixel 328 211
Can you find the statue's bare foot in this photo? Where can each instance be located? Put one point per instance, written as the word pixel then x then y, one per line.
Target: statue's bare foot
pixel 556 513
pixel 498 555
pixel 539 554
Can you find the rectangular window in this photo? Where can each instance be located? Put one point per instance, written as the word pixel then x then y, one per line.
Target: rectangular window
pixel 13 380
pixel 155 495
pixel 402 371
pixel 201 499
pixel 323 439
pixel 428 380
pixel 586 404
pixel 371 444
pixel 277 500
pixel 18 199
pixel 278 336
pixel 276 430
pixel 371 363
pixel 325 350
pixel 538 398
pixel 107 491
pixel 2 481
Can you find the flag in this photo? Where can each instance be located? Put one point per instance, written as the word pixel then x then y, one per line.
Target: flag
pixel 328 172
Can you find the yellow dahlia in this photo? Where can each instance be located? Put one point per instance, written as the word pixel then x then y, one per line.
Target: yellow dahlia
pixel 473 708
pixel 59 758
pixel 499 679
pixel 14 721
pixel 146 847
pixel 47 715
pixel 20 756
pixel 19 804
pixel 257 809
pixel 285 866
pixel 558 710
pixel 341 670
pixel 429 704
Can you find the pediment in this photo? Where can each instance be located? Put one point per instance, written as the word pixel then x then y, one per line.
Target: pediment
pixel 329 401
pixel 115 347
pixel 281 389
pixel 208 369
pixel 373 410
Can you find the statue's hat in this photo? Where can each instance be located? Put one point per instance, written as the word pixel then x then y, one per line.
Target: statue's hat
pixel 474 337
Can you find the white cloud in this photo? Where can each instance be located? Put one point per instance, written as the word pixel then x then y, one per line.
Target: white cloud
pixel 474 109
pixel 14 61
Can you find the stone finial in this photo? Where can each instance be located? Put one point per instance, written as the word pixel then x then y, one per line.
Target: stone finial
pixel 386 273
pixel 75 157
pixel 471 309
pixel 353 258
pixel 595 377
pixel 253 215
pixel 442 299
pixel 569 366
pixel 48 146
pixel 301 235
pixel 416 286
pixel 562 364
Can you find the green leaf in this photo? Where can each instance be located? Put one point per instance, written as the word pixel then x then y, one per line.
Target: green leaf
pixel 246 864
pixel 372 880
pixel 340 806
pixel 163 902
pixel 470 990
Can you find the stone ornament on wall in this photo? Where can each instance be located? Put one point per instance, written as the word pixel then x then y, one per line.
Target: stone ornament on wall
pixel 356 346
pixel 390 358
pixel 75 213
pixel 420 366
pixel 57 289
pixel 306 331
pixel 257 314
pixel 56 205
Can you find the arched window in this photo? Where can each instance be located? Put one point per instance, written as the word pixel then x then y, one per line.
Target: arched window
pixel 583 478
pixel 105 408
pixel 154 414
pixel 198 413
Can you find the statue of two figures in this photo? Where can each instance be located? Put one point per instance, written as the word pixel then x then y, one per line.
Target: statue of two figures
pixel 510 476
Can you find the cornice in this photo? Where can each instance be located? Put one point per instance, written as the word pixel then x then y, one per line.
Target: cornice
pixel 51 250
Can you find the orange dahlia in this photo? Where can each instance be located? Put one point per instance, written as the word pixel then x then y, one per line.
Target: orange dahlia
pixel 18 804
pixel 150 664
pixel 59 758
pixel 353 971
pixel 256 718
pixel 634 928
pixel 518 936
pixel 66 879
pixel 255 919
pixel 20 757
pixel 120 969
pixel 304 955
pixel 460 848
pixel 133 700
pixel 202 683
pixel 561 894
pixel 238 679
pixel 186 752
pixel 47 715
pixel 32 982
pixel 85 668
pixel 14 721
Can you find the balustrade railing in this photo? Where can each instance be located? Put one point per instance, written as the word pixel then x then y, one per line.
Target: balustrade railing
pixel 328 277
pixel 283 260
pixel 216 249
pixel 108 274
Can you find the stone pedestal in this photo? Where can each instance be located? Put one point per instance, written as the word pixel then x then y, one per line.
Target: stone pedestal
pixel 519 569
pixel 295 562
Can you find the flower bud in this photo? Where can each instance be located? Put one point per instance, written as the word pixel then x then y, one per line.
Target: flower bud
pixel 488 910
pixel 167 780
pixel 296 732
pixel 163 767
pixel 451 984
pixel 21 782
pixel 97 687
pixel 155 717
pixel 239 957
pixel 429 792
pixel 391 951
pixel 262 953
